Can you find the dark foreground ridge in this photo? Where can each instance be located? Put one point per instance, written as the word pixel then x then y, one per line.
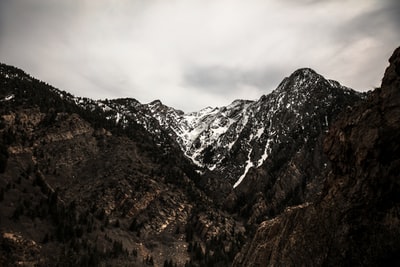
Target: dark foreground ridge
pixel 356 220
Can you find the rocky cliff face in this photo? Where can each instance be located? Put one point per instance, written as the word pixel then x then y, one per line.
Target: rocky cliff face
pixel 355 221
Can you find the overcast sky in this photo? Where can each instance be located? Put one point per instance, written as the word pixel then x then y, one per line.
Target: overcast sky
pixel 192 54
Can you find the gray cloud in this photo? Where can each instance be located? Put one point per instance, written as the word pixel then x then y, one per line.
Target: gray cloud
pixel 192 54
pixel 220 79
pixel 375 22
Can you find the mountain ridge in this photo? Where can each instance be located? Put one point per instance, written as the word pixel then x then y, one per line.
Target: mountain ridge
pixel 197 132
pixel 128 167
pixel 232 140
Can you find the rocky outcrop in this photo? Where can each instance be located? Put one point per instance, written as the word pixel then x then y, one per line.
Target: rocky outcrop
pixel 356 220
pixel 18 250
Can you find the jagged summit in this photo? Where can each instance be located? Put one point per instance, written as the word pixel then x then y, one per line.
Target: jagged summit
pixel 156 102
pixel 304 72
pixel 306 80
pixel 241 101
pixel 127 100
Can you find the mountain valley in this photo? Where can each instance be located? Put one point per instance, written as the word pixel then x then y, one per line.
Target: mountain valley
pixel 305 175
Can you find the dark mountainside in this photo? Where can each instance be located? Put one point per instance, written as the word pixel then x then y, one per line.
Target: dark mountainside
pixel 355 222
pixel 117 182
pixel 78 190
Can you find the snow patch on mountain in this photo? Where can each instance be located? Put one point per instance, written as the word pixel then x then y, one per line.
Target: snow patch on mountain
pixel 8 98
pixel 249 164
pixel 265 154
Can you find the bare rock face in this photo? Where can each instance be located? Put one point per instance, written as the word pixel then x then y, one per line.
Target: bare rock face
pixel 356 221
